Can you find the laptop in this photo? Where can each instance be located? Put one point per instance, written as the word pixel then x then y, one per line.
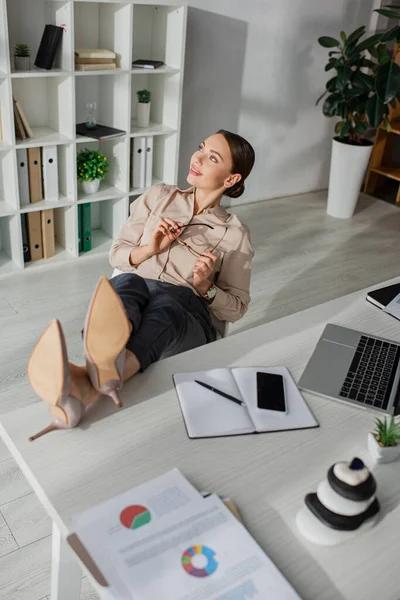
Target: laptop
pixel 355 368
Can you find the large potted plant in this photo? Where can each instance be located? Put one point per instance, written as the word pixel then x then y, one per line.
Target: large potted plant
pixel 366 82
pixel 92 167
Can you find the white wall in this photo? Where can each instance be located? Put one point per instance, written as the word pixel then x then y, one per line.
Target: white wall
pixel 255 67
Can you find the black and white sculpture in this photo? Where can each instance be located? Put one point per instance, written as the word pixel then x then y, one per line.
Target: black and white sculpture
pixel 344 505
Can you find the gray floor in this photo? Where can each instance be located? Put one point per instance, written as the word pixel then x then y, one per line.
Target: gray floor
pixel 302 258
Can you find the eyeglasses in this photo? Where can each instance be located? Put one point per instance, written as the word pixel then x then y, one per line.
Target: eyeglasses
pixel 182 243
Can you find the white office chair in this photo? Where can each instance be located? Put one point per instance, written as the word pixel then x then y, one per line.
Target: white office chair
pixel 221 327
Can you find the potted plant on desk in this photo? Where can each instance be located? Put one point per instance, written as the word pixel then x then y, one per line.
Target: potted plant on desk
pixel 384 441
pixel 143 108
pixel 22 60
pixel 367 81
pixel 92 167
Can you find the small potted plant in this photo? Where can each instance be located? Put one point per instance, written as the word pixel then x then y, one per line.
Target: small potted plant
pixel 22 60
pixel 384 441
pixel 143 108
pixel 92 167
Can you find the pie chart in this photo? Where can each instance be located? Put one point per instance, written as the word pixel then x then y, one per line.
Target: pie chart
pixel 189 556
pixel 135 516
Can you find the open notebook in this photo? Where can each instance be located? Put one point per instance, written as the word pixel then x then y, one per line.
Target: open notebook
pixel 207 414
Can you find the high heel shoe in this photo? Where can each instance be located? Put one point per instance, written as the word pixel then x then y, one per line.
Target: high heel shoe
pixel 49 376
pixel 106 333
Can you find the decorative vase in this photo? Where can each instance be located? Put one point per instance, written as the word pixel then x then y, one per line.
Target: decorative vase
pixel 90 187
pixel 22 63
pixel 143 114
pixel 348 165
pixel 382 454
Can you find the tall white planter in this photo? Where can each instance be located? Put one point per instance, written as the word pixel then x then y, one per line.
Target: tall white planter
pixel 143 114
pixel 348 164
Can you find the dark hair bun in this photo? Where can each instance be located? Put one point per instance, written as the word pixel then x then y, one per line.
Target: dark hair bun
pixel 236 190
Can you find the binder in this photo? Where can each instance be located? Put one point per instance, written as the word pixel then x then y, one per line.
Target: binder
pixel 47 218
pixel 139 162
pixel 49 44
pixel 35 235
pixel 24 120
pixel 80 241
pixel 35 174
pixel 50 172
pixel 23 177
pixel 86 226
pixel 25 239
pixel 19 126
pixel 149 161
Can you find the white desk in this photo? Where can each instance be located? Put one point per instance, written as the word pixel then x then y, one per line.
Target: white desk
pixel 266 475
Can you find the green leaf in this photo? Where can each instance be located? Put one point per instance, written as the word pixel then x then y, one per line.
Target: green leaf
pixel 343 36
pixel 362 81
pixel 332 52
pixel 367 63
pixel 368 43
pixel 342 109
pixel 345 129
pixel 331 84
pixel 375 110
pixel 339 126
pixel 373 51
pixel 343 77
pixel 390 14
pixel 328 42
pixel 361 127
pixel 391 34
pixel 321 96
pixel 330 64
pixel 388 81
pixel 353 37
pixel 329 107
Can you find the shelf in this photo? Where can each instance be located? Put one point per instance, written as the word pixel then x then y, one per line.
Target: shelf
pixel 45 204
pixel 7 266
pixel 101 243
pixel 36 72
pixel 44 136
pixel 84 139
pixel 6 208
pixel 106 192
pixel 140 191
pixel 152 129
pixel 391 172
pixel 61 255
pixel 165 70
pixel 101 72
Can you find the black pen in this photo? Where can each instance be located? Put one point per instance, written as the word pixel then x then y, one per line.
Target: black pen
pixel 227 396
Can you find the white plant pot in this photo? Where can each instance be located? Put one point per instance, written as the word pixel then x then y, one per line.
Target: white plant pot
pixel 143 114
pixel 348 164
pixel 382 454
pixel 90 187
pixel 22 63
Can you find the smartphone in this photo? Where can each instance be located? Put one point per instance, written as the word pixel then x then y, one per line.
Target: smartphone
pixel 271 392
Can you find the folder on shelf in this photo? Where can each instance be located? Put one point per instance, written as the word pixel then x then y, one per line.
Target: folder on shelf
pixel 149 161
pixel 139 162
pixel 25 238
pixel 86 226
pixel 80 240
pixel 47 218
pixel 24 120
pixel 49 44
pixel 50 172
pixel 95 53
pixel 35 235
pixel 95 67
pixel 23 177
pixel 19 126
pixel 35 174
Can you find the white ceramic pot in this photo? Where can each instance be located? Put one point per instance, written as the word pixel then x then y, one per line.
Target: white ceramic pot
pixel 143 114
pixel 22 63
pixel 90 187
pixel 381 454
pixel 348 165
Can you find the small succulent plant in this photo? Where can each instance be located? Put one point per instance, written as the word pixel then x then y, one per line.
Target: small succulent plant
pixel 387 432
pixel 144 96
pixel 22 50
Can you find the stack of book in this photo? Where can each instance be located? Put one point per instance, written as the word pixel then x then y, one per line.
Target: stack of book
pixel 95 59
pixel 37 180
pixel 23 130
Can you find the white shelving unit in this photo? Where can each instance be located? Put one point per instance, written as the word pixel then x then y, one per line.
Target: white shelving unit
pixel 54 101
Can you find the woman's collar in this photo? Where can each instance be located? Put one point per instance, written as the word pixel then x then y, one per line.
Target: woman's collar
pixel 219 211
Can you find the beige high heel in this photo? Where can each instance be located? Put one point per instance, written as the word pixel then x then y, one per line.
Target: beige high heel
pixel 107 331
pixel 49 376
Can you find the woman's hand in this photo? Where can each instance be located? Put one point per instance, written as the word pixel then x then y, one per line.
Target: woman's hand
pixel 203 271
pixel 164 234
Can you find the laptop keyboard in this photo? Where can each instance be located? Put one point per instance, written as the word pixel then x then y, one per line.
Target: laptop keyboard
pixel 372 371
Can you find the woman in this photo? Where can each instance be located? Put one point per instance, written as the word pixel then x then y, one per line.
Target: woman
pixel 181 256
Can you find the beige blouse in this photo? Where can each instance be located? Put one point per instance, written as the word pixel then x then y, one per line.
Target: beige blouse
pixel 228 239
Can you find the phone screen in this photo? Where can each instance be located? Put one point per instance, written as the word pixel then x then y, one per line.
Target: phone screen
pixel 270 392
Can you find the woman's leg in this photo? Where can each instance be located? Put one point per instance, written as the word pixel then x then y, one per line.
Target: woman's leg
pixel 167 328
pixel 134 294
